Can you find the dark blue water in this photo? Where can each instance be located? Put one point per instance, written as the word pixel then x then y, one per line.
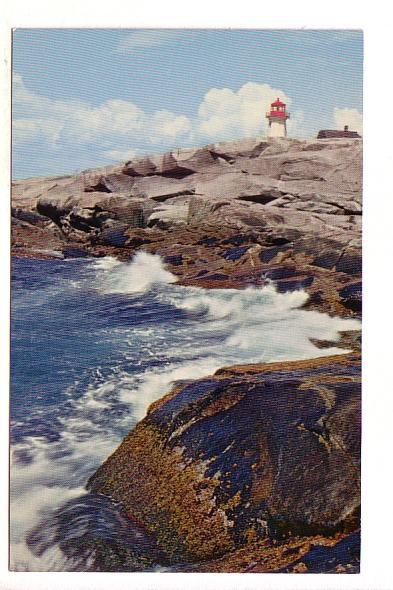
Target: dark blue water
pixel 67 333
pixel 93 344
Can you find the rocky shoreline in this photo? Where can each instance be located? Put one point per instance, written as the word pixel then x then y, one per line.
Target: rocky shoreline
pixel 226 215
pixel 256 468
pixel 254 456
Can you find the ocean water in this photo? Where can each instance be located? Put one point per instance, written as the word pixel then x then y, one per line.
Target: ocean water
pixel 94 342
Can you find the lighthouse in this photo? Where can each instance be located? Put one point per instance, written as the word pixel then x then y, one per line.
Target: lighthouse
pixel 277 119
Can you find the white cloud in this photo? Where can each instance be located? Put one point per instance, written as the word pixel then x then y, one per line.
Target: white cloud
pixel 20 92
pixel 298 126
pixel 38 106
pixel 145 38
pixel 27 130
pixel 114 118
pixel 225 114
pixel 117 129
pixel 351 117
pixel 165 124
pixel 116 124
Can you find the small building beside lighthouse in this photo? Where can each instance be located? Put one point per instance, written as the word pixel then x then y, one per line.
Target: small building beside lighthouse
pixel 337 133
pixel 277 119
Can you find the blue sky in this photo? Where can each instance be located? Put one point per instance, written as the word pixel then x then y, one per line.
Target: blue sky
pixel 90 97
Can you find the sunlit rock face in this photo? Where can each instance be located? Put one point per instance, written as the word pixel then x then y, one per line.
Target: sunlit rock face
pixel 314 176
pixel 287 202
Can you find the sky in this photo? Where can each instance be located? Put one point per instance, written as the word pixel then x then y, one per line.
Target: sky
pixel 84 98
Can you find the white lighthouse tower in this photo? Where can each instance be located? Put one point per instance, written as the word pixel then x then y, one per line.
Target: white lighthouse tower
pixel 277 119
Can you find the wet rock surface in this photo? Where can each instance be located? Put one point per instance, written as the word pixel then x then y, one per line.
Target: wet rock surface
pixel 253 453
pixel 255 468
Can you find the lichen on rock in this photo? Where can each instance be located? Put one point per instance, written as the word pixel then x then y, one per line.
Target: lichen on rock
pixel 267 451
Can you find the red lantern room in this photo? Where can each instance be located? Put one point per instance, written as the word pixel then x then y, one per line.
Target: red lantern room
pixel 278 109
pixel 277 119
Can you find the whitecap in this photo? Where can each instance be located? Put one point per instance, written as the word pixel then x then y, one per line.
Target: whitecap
pixel 214 328
pixel 135 276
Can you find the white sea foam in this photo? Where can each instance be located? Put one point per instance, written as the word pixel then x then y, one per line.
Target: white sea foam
pixel 142 392
pixel 138 275
pixel 220 327
pixel 36 489
pixel 57 472
pixel 256 324
pixel 234 326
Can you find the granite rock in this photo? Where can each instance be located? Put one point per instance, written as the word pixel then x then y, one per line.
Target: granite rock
pixel 253 452
pixel 300 196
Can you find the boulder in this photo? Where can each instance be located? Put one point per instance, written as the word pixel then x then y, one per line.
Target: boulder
pixel 232 150
pixel 237 185
pixel 112 183
pixel 57 204
pixel 168 165
pixel 30 217
pixel 176 164
pixel 161 189
pixel 196 160
pixel 133 212
pixel 93 210
pixel 298 284
pixel 139 167
pixel 169 215
pixel 252 452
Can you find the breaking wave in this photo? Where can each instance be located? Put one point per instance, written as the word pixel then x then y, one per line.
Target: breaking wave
pixel 136 276
pixel 111 337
